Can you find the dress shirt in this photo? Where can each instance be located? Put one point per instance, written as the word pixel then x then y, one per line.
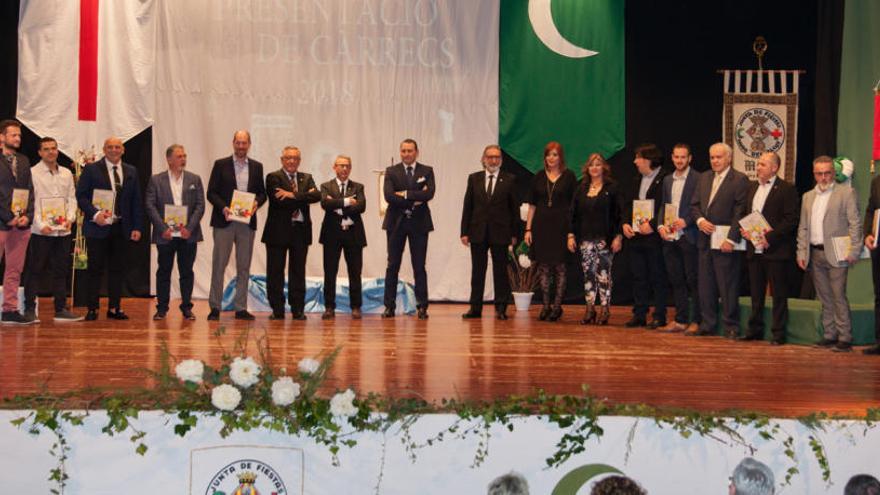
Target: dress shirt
pixel 678 181
pixel 48 184
pixel 817 215
pixel 761 194
pixel 646 183
pixel 242 174
pixel 346 200
pixel 176 188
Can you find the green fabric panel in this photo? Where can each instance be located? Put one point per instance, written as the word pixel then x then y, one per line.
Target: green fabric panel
pixel 859 72
pixel 544 96
pixel 805 321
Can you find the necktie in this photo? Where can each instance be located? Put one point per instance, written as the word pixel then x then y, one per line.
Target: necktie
pixel 343 189
pixel 117 186
pixel 409 176
pixel 491 183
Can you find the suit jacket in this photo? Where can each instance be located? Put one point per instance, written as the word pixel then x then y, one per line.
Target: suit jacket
pixel 684 206
pixel 781 210
pixel 8 182
pixel 222 184
pixel 491 220
pixel 97 176
pixel 280 229
pixel 420 191
pixel 332 200
pixel 841 219
pixel 728 206
pixel 655 192
pixel 873 204
pixel 159 194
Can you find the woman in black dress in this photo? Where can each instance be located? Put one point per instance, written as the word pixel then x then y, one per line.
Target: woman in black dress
pixel 595 232
pixel 548 225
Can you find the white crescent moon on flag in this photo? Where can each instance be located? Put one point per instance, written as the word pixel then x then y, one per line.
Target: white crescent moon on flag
pixel 542 22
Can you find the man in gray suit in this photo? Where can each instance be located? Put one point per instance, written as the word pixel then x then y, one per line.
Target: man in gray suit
pixel 175 187
pixel 720 201
pixel 829 213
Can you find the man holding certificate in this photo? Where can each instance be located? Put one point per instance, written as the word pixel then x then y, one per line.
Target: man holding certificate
pixel 770 228
pixel 288 233
pixel 109 195
pixel 236 190
pixel 641 215
pixel 175 205
pixel 829 240
pixel 719 203
pixel 680 236
pixel 50 247
pixel 16 212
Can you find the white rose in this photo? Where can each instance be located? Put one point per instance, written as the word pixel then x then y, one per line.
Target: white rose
pixel 244 372
pixel 308 366
pixel 225 397
pixel 342 404
pixel 524 261
pixel 284 391
pixel 190 370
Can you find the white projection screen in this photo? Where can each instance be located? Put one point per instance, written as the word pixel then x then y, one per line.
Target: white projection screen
pixel 351 77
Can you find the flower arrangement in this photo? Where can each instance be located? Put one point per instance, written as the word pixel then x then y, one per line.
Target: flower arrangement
pixel 522 273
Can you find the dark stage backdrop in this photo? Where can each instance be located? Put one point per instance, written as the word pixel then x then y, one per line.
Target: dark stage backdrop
pixel 673 93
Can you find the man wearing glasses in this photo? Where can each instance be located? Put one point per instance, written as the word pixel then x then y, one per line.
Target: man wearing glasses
pixel 830 214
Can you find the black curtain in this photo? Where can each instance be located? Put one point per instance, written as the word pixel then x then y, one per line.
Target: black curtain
pixel 673 93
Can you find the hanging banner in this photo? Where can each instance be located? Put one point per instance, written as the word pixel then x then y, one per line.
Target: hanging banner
pixel 760 115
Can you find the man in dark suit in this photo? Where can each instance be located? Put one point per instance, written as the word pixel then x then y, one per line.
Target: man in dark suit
pixel 720 202
pixel 680 248
pixel 772 259
pixel 871 244
pixel 236 172
pixel 489 222
pixel 108 232
pixel 175 187
pixel 342 232
pixel 644 243
pixel 408 187
pixel 288 232
pixel 15 173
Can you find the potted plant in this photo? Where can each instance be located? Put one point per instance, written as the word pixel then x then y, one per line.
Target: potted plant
pixel 523 276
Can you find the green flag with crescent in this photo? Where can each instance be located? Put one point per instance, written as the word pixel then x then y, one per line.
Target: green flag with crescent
pixel 561 79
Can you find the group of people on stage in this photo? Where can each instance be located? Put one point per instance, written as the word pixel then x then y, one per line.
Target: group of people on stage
pixel 690 242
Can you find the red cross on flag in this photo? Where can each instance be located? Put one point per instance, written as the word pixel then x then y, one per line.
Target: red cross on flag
pixel 86 69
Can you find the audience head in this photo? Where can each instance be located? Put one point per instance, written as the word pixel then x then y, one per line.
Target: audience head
pixel 617 485
pixel 862 484
pixel 751 477
pixel 509 484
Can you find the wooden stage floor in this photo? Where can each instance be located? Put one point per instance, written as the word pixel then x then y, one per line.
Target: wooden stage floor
pixel 446 356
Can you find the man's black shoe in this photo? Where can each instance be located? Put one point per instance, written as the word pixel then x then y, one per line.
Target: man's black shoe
pixel 635 322
pixel 388 313
pixel 777 342
pixel 92 315
pixel 842 347
pixel 872 351
pixel 188 315
pixel 501 314
pixel 276 316
pixel 117 314
pixel 471 315
pixel 214 315
pixel 160 315
pixel 244 315
pixel 422 313
pixel 654 325
pixel 328 314
pixel 299 315
pixel 826 343
pixel 748 337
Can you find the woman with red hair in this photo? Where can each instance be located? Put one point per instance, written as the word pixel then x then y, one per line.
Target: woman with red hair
pixel 548 225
